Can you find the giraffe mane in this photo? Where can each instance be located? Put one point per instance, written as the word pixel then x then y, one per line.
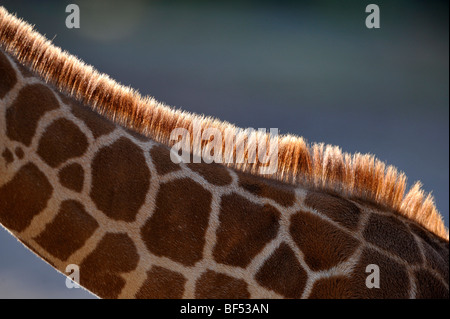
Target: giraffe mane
pixel 315 166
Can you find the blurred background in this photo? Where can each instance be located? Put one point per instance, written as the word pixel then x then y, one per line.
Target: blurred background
pixel 310 68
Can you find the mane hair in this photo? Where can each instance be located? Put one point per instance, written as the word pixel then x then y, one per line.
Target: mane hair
pixel 316 166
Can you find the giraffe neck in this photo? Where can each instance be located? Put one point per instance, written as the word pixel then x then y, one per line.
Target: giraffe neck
pixel 317 166
pixel 77 188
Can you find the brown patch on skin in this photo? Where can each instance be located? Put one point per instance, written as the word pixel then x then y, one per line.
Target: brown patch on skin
pixel 66 99
pixel 22 198
pixel 137 135
pixel 443 241
pixel 25 71
pixel 331 288
pixel 68 231
pixel 436 253
pixel 445 251
pixel 365 203
pixel 429 287
pixel 101 270
pixel 245 228
pixel 61 141
pixel 338 209
pixel 213 173
pixel 8 156
pixel 275 190
pixel 19 152
pixel 213 285
pixel 394 281
pixel 282 273
pixel 72 177
pixel 160 155
pixel 178 225
pixel 430 239
pixel 436 261
pixel 162 283
pixel 98 124
pixel 8 76
pixel 120 180
pixel 22 117
pixel 389 233
pixel 323 245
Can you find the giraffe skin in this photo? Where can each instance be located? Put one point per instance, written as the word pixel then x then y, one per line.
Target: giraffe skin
pixel 77 188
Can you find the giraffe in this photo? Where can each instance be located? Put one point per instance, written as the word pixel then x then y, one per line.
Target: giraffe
pixel 82 185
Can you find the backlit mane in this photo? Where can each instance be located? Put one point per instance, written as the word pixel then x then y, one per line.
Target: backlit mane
pixel 318 166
